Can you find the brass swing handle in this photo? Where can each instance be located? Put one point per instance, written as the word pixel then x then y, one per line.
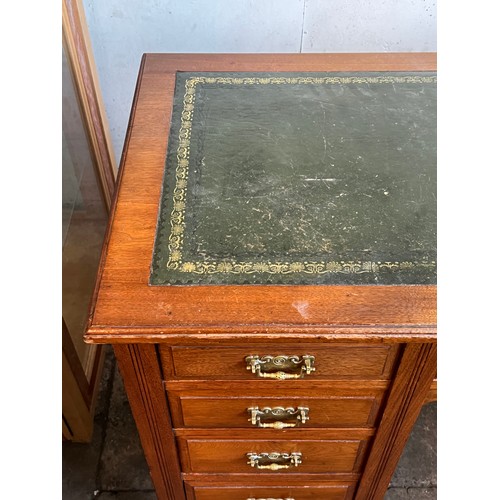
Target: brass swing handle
pixel 274 461
pixel 278 366
pixel 300 414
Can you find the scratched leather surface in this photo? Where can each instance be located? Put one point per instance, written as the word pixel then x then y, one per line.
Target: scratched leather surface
pixel 310 178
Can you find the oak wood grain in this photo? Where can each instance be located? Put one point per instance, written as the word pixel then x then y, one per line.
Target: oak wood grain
pixel 432 394
pixel 289 389
pixel 141 376
pixel 410 388
pixel 223 453
pixel 229 408
pixel 301 479
pixel 285 434
pixel 326 492
pixel 335 412
pixel 335 362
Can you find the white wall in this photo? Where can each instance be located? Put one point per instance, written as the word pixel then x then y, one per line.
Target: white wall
pixel 121 31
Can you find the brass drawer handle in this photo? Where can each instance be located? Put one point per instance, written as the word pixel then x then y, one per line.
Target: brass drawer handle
pixel 300 414
pixel 275 366
pixel 274 461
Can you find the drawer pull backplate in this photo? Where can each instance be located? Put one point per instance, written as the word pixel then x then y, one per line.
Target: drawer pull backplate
pixel 279 367
pixel 298 415
pixel 274 461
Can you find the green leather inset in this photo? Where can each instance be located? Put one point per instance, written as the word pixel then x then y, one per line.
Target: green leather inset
pixel 323 178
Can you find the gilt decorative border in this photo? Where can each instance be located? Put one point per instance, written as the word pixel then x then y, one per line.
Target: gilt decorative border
pixel 177 216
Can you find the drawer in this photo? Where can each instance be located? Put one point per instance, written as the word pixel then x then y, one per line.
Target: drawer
pixel 271 452
pixel 339 361
pixel 326 491
pixel 243 405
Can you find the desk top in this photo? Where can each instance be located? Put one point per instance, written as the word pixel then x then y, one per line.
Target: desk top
pixel 280 194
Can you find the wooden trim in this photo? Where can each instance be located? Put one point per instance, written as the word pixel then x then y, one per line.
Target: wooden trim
pixel 79 389
pixel 88 377
pixel 410 388
pixel 251 479
pixel 362 61
pixel 66 432
pixel 77 419
pixel 259 333
pixel 432 394
pixel 140 370
pixel 254 479
pixel 78 47
pixel 107 235
pixel 77 370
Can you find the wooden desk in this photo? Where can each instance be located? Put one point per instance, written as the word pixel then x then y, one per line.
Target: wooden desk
pixel 192 356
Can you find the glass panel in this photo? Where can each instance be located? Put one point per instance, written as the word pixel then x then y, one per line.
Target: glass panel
pixel 84 218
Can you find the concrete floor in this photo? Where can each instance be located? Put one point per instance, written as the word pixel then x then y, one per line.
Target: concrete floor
pixel 112 466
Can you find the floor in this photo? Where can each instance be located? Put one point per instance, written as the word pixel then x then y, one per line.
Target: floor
pixel 112 466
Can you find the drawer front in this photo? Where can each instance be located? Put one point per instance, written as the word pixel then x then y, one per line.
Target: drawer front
pixel 240 408
pixel 340 361
pixel 231 456
pixel 327 492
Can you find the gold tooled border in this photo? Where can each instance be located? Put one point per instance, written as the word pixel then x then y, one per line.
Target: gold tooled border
pixel 177 216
